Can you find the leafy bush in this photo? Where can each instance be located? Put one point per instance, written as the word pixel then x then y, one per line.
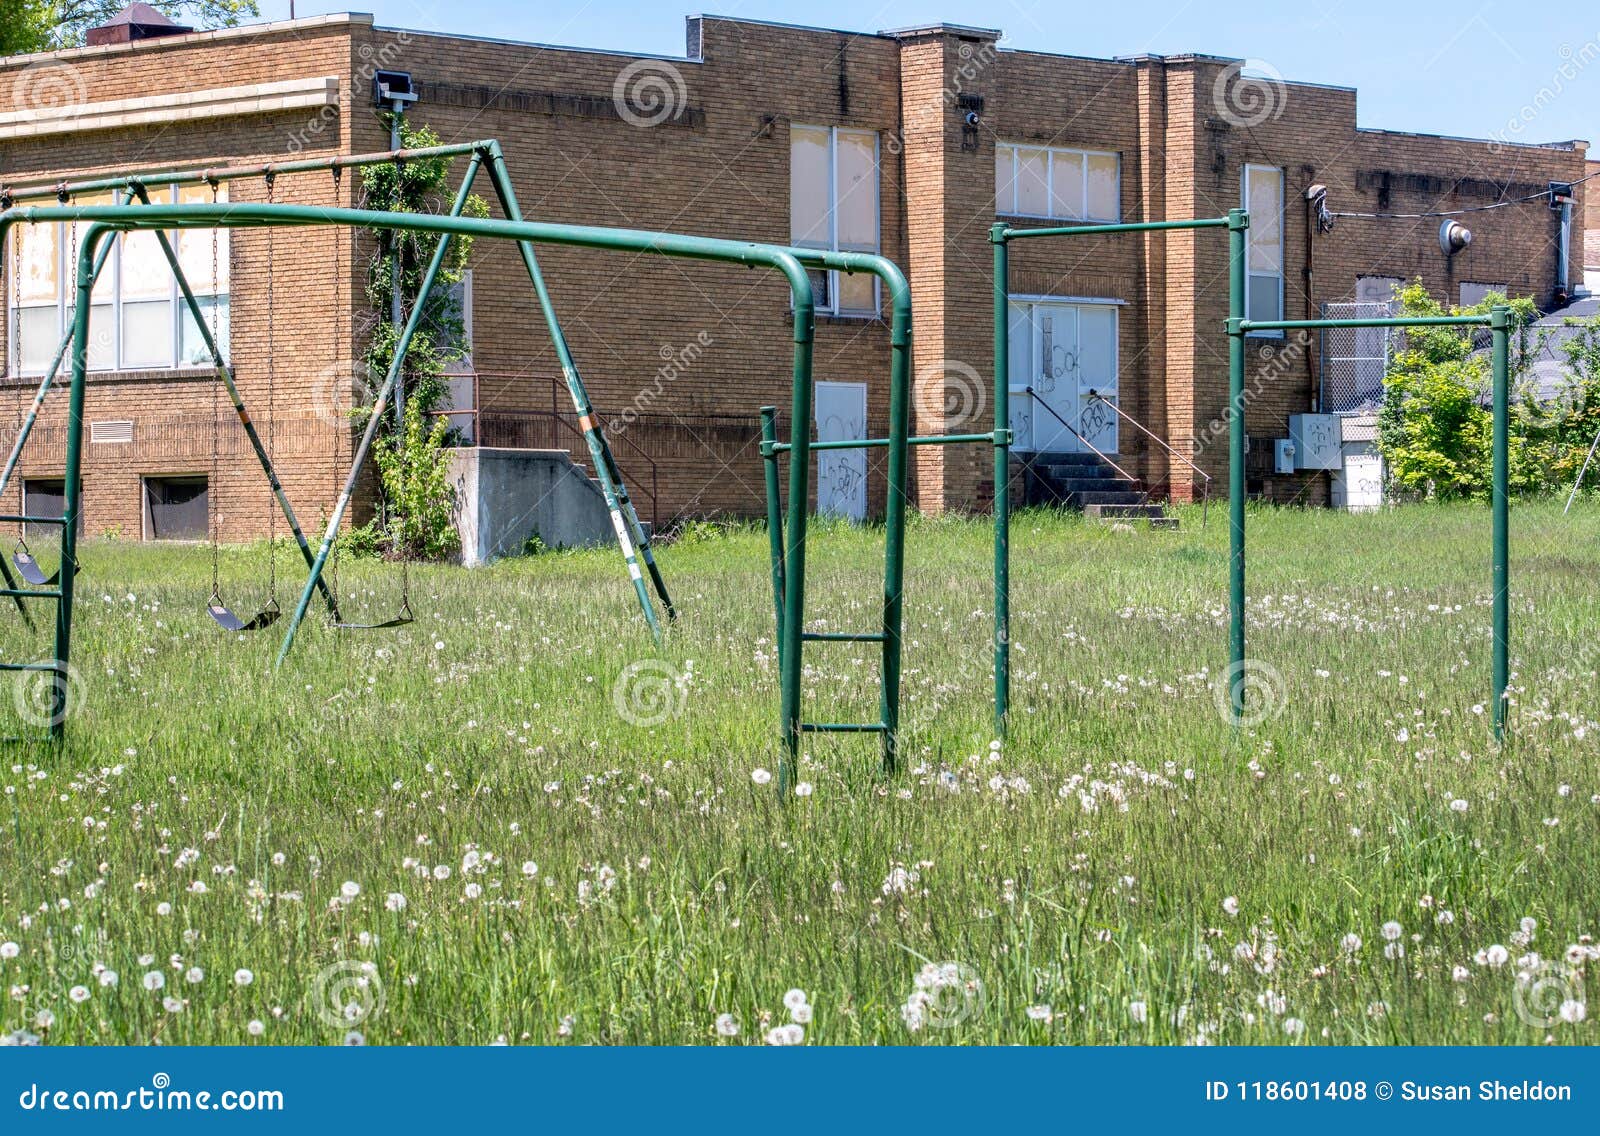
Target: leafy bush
pixel 1436 428
pixel 414 468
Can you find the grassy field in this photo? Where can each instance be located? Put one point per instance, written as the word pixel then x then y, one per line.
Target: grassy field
pixel 515 820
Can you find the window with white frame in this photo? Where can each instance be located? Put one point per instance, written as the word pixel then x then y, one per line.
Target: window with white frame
pixel 138 318
pixel 833 205
pixel 1061 184
pixel 454 338
pixel 1262 195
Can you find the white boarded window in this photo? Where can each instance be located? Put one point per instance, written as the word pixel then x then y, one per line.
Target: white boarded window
pixel 1057 183
pixel 833 205
pixel 1474 293
pixel 138 319
pixel 1262 195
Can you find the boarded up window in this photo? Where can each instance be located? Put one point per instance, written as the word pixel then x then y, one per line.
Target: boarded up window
pixel 46 498
pixel 177 507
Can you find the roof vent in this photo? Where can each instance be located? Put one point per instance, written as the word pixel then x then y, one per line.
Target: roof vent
pixel 135 22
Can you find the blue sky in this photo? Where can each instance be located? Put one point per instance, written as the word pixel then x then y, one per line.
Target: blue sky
pixel 1469 71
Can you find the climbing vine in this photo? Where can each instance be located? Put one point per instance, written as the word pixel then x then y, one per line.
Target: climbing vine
pixel 413 458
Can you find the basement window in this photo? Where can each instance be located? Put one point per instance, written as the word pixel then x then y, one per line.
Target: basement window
pixel 176 508
pixel 46 498
pixel 1262 195
pixel 833 205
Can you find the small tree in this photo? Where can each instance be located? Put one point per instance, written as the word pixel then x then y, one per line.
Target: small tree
pixel 1435 429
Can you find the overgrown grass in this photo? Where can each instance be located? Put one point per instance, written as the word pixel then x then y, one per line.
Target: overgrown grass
pixel 1125 859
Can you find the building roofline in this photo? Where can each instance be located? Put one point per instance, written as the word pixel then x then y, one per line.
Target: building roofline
pixel 965 31
pixel 1569 145
pixel 189 39
pixel 616 52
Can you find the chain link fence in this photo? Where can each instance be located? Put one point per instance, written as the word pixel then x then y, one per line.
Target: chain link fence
pixel 1355 359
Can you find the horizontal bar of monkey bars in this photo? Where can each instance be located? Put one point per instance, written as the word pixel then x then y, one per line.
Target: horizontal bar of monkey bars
pixel 1387 321
pixel 1010 234
pixel 870 443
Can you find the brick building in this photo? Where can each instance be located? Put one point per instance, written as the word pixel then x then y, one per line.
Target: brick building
pixel 910 142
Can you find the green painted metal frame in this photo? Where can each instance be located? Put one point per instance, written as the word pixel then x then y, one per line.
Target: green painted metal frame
pixel 1499 322
pixel 631 535
pixel 1000 237
pixel 1237 223
pixel 787 541
pixel 115 218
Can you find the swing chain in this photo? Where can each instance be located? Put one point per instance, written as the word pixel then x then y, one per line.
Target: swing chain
pixel 272 401
pixel 216 417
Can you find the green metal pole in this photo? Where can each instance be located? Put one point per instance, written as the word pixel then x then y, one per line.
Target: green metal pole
pixel 1500 333
pixel 631 537
pixel 794 554
pixel 895 520
pixel 1002 476
pixel 769 463
pixel 72 506
pixel 390 381
pixel 225 373
pixel 1238 223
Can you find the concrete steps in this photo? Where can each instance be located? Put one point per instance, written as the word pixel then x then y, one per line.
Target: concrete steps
pixel 1091 485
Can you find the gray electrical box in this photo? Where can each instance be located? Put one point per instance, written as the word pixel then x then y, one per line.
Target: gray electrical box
pixel 1316 439
pixel 1282 455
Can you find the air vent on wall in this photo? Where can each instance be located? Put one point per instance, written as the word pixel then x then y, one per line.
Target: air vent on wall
pixel 120 431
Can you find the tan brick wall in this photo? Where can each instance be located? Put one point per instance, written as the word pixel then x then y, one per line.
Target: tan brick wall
pixel 720 166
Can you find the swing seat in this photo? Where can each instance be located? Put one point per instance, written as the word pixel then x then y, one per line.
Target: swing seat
pixel 28 568
pixel 266 617
pixel 400 620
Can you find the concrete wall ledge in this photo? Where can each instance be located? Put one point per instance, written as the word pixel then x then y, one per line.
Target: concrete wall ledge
pixel 505 496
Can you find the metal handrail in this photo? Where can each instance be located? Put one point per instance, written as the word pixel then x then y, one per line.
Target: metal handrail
pixel 1093 448
pixel 561 418
pixel 1205 500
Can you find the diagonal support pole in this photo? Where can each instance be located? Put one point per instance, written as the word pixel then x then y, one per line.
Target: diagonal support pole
pixel 358 459
pixel 631 536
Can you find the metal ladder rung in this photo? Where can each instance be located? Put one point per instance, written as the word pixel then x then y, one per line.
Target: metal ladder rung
pixel 57 667
pixel 842 636
pixel 29 519
pixel 842 727
pixel 31 593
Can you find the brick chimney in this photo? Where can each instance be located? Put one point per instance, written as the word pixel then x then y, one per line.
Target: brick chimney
pixel 136 21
